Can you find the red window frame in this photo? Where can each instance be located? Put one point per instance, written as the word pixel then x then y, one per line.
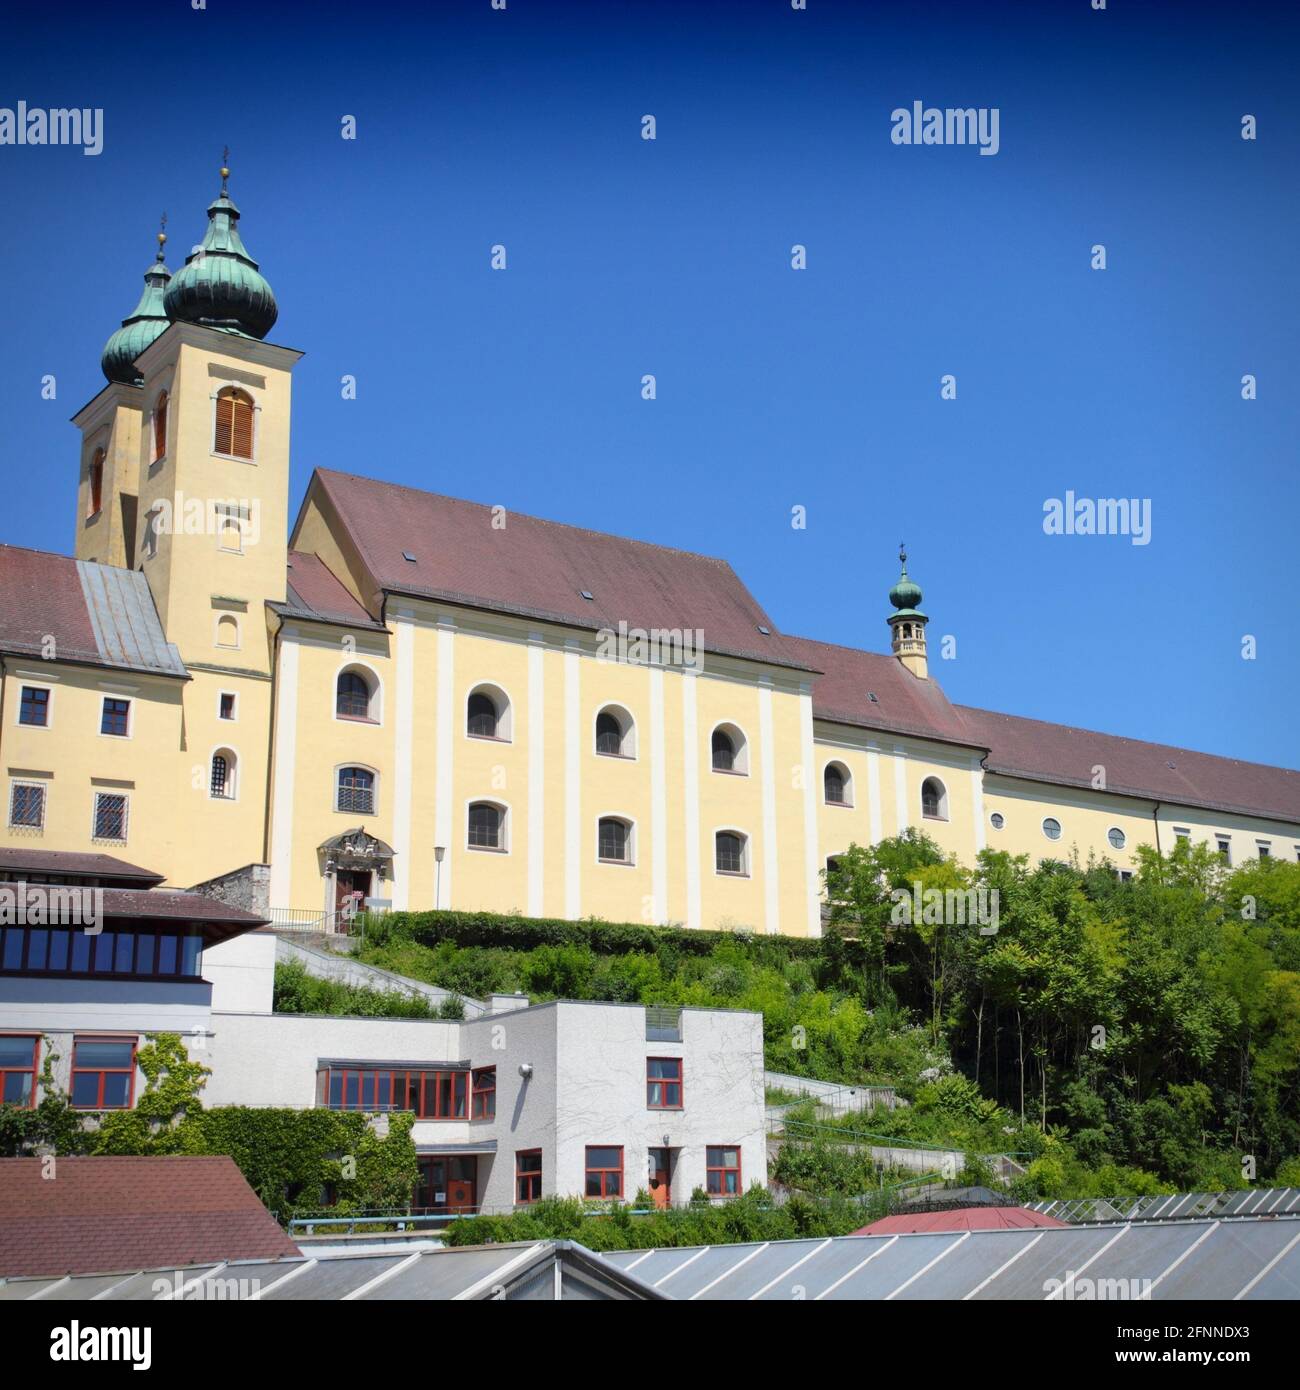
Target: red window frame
pixel 103 1072
pixel 483 1093
pixel 528 1180
pixel 32 1071
pixel 665 1081
pixel 115 717
pixel 608 1180
pixel 359 1089
pixel 715 1179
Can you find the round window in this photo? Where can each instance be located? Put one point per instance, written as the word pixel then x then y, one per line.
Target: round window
pixel 1116 837
pixel 1052 828
pixel 997 820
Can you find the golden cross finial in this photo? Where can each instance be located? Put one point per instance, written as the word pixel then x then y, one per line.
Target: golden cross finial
pixel 902 554
pixel 225 166
pixel 162 232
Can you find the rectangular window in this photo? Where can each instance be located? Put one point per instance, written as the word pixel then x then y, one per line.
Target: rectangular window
pixel 27 805
pixel 663 1083
pixel 110 816
pixel 1225 849
pixel 528 1175
pixel 663 1024
pixel 1265 848
pixel 73 951
pixel 34 708
pixel 116 717
pixel 103 1073
pixel 1181 833
pixel 227 707
pixel 604 1171
pixel 722 1166
pixel 18 1071
pixel 484 1105
pixel 431 1095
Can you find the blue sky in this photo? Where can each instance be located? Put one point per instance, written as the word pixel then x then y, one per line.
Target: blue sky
pixel 776 388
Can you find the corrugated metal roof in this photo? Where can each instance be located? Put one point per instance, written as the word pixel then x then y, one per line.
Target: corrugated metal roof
pixel 124 620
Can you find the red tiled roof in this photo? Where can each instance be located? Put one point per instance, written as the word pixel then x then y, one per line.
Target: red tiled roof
pixel 539 569
pixel 91 613
pixel 315 591
pixel 1066 756
pixel 101 1215
pixel 904 703
pixel 963 1219
pixel 53 861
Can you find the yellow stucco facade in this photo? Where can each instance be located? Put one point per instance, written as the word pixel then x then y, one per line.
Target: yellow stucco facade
pixel 209 529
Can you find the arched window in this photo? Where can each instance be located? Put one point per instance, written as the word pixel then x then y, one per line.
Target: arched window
pixel 233 434
pixel 724 751
pixel 730 852
pixel 159 427
pixel 352 696
pixel 221 783
pixel 481 716
pixel 934 799
pixel 614 840
pixel 227 631
pixel 729 750
pixel 95 484
pixel 356 791
pixel 609 734
pixel 487 824
pixel 835 783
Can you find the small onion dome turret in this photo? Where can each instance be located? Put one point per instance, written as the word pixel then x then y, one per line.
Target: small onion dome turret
pixel 905 595
pixel 145 324
pixel 219 285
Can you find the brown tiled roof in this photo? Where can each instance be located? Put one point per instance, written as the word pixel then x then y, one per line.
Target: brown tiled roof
pixel 1066 756
pixel 904 703
pixel 54 861
pixel 539 569
pixel 101 1215
pixel 168 905
pixel 94 614
pixel 315 592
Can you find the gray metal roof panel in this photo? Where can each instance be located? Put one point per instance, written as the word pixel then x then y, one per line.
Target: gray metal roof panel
pixel 333 1278
pixel 124 620
pixel 442 1274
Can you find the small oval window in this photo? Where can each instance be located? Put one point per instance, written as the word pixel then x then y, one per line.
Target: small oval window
pixel 1052 828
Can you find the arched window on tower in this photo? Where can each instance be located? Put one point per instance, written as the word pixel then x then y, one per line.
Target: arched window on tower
pixel 221 784
pixel 352 696
pixel 481 716
pixel 159 427
pixel 95 485
pixel 233 435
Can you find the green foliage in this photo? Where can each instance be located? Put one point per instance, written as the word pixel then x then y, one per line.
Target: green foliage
pixel 751 1217
pixel 297 992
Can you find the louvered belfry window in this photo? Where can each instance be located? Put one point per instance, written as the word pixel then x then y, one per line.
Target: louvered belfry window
pixel 234 434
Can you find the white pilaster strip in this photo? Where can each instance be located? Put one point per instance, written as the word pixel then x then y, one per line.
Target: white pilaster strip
pixel 536 773
pixel 811 847
pixel 572 781
pixel 403 726
pixel 771 861
pixel 873 791
pixel 658 798
pixel 691 771
pixel 444 825
pixel 977 801
pixel 900 788
pixel 286 759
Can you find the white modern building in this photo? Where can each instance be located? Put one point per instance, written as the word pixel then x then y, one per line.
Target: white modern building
pixel 516 1102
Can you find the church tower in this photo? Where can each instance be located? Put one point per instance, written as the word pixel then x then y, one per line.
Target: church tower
pixel 907 623
pixel 109 488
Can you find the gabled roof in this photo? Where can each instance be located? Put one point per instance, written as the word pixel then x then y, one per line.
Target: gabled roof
pixel 96 615
pixel 1066 756
pixel 316 593
pixel 904 703
pixel 105 1214
pixel 540 569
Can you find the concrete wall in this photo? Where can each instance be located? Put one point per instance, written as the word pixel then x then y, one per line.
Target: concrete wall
pixel 242 973
pixel 49 1004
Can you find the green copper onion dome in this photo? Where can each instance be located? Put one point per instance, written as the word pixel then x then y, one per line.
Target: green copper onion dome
pixel 219 285
pixel 145 324
pixel 905 595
